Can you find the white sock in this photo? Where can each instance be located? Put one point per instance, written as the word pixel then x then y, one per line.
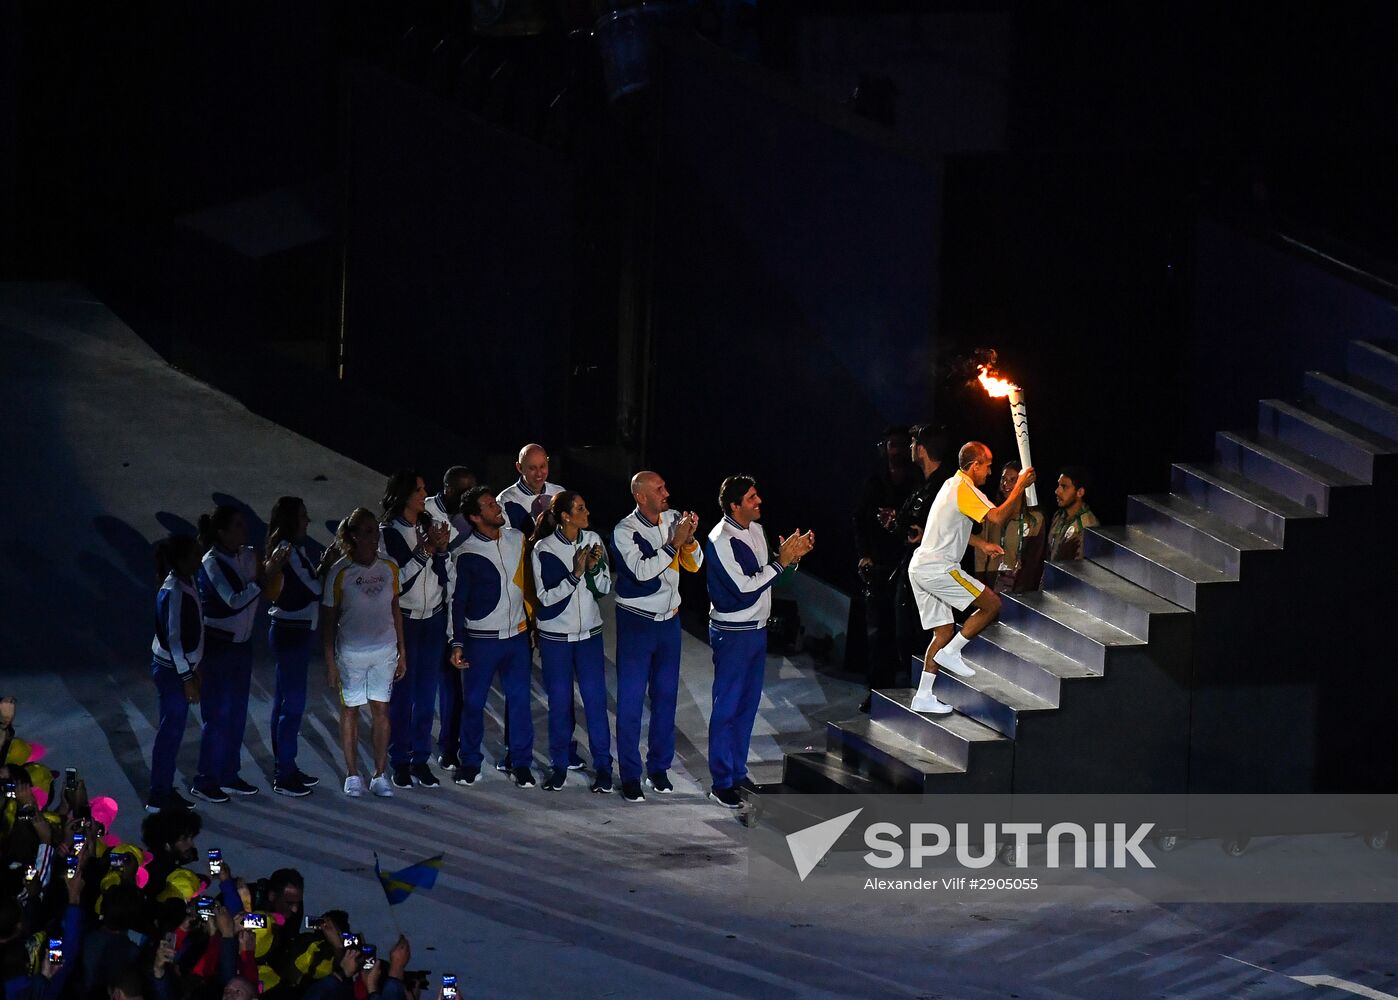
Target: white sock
pixel 957 641
pixel 924 686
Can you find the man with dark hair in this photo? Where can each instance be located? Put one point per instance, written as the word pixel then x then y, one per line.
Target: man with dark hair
pixel 741 571
pixel 169 836
pixel 928 447
pixel 446 506
pixel 1074 516
pixel 880 550
pixel 938 583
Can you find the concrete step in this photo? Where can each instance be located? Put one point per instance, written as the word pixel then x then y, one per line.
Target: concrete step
pixel 820 773
pixel 879 753
pixel 1316 432
pixel 1369 405
pixel 1007 652
pixel 1191 529
pixel 1149 563
pixel 1237 499
pixel 1281 468
pixel 1098 591
pixel 953 737
pixel 989 699
pixel 1374 363
pixel 1063 628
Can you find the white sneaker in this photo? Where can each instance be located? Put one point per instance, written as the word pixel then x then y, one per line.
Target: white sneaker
pixel 930 703
pixel 354 786
pixel 948 660
pixel 381 786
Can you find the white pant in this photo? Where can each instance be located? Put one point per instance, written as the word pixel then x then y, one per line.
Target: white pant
pixel 366 674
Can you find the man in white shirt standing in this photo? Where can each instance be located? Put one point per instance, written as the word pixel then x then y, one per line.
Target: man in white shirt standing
pixel 938 583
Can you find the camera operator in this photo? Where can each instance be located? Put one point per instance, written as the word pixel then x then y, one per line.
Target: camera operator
pixel 929 443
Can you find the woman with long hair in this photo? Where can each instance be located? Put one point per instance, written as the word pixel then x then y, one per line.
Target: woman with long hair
pixel 230 581
pixel 362 639
pixel 418 547
pixel 176 650
pixel 570 572
pixel 294 611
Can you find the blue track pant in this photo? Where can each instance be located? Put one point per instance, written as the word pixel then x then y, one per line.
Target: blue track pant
pixel 587 661
pixel 414 701
pixel 739 659
pixel 291 648
pixel 511 660
pixel 647 659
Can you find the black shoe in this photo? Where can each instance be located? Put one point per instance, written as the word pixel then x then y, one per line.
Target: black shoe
pixel 603 782
pixel 523 777
pixel 864 705
pixel 208 793
pixel 726 797
pixel 746 785
pixel 631 791
pixel 503 764
pixel 557 776
pixel 467 774
pixel 423 776
pixel 575 762
pixel 659 781
pixel 402 776
pixel 292 787
pixel 238 787
pixel 170 800
pixel 309 780
pixel 448 761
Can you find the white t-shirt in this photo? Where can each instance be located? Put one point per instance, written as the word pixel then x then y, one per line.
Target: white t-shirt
pixel 364 595
pixel 957 507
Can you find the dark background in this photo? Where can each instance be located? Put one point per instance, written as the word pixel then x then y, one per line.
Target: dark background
pixel 769 248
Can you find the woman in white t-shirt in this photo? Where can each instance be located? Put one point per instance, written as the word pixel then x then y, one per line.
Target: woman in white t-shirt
pixel 362 637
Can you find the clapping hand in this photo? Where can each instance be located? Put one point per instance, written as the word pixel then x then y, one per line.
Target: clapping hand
pixel 794 546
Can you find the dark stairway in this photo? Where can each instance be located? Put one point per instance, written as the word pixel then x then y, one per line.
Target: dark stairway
pixel 1201 647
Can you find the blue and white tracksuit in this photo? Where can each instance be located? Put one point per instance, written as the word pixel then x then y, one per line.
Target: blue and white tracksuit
pixel 569 625
pixel 741 573
pixel 424 587
pixel 490 621
pixel 291 637
pixel 449 684
pixel 648 636
pixel 523 506
pixel 229 592
pixel 176 650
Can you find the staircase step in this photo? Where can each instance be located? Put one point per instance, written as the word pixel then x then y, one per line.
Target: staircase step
pixel 989 699
pixel 950 737
pixel 1038 668
pixel 1200 535
pixel 1375 363
pixel 1098 591
pixel 1282 468
pixel 1061 627
pixel 1148 562
pixel 1371 405
pixel 1309 431
pixel 1237 499
pixel 881 754
pixel 821 773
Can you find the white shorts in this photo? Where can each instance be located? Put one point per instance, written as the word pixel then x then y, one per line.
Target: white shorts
pixel 939 589
pixel 366 675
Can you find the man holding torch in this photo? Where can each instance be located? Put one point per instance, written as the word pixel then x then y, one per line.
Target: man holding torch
pixel 937 581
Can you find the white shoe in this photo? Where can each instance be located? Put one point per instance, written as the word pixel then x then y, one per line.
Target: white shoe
pixel 930 703
pixel 953 662
pixel 354 786
pixel 381 786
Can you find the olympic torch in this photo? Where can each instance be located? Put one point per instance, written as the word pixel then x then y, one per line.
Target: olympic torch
pixel 1019 416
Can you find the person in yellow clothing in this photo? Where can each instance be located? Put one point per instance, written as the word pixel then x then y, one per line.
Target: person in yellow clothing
pixel 938 583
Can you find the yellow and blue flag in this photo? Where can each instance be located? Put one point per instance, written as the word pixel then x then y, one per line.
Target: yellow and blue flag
pixel 399 885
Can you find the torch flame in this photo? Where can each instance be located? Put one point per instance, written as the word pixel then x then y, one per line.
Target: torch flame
pixel 996 387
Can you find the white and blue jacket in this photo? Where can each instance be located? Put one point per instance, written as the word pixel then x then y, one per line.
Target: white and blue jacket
pixel 424 583
pixel 741 574
pixel 298 604
pixel 488 588
pixel 228 590
pixel 437 507
pixel 648 566
pixel 518 501
pixel 565 605
pixel 179 627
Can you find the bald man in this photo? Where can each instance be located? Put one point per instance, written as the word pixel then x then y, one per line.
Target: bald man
pixel 524 499
pixel 935 576
pixel 650 547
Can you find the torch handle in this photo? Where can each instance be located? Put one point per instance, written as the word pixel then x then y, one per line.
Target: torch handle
pixel 1019 415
